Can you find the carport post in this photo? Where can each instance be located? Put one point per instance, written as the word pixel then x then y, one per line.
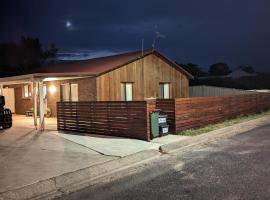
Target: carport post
pixel 35 102
pixel 1 88
pixel 41 106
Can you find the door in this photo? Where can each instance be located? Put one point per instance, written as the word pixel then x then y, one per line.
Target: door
pixel 9 98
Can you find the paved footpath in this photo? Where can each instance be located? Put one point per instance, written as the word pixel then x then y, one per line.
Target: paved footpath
pixel 234 168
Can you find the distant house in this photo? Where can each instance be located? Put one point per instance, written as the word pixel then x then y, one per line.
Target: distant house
pixel 239 73
pixel 124 77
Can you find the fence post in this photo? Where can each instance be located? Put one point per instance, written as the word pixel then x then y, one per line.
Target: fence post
pixel 150 106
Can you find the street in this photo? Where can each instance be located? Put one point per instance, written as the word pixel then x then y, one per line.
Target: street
pixel 235 168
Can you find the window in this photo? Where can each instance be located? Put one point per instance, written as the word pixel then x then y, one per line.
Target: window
pixel 27 91
pixel 74 92
pixel 69 92
pixel 164 90
pixel 126 92
pixel 44 91
pixel 65 92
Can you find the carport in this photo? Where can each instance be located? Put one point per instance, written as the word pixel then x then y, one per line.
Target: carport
pixel 37 81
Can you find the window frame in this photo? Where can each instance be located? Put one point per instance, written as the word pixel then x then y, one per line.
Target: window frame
pixel 44 91
pixel 29 91
pixel 162 90
pixel 71 93
pixel 68 89
pixel 124 91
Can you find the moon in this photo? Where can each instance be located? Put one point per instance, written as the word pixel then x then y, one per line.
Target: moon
pixel 68 24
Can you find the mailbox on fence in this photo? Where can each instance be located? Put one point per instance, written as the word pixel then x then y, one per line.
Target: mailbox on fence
pixel 163 126
pixel 159 126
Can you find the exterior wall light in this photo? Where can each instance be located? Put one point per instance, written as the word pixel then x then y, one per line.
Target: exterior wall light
pixel 52 89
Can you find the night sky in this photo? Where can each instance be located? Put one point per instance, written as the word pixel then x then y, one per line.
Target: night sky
pixel 203 32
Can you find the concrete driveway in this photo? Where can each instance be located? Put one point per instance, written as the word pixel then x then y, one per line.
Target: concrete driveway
pixel 117 146
pixel 27 156
pixel 102 144
pixel 22 121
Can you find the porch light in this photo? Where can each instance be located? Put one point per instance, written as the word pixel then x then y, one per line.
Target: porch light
pixel 50 79
pixel 52 89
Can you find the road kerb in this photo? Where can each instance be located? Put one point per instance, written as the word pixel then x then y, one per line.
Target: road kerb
pixel 76 180
pixel 214 135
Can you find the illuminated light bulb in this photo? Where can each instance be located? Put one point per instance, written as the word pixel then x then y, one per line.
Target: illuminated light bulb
pixel 52 89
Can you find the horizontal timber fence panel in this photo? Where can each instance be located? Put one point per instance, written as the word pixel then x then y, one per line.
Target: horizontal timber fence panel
pixel 117 118
pixel 184 113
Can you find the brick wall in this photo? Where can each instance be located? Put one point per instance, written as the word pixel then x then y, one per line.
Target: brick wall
pixel 21 104
pixel 86 92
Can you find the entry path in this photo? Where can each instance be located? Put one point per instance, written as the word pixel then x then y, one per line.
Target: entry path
pixel 235 168
pixel 117 146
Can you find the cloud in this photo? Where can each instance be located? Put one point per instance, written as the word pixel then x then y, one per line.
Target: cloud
pixel 83 54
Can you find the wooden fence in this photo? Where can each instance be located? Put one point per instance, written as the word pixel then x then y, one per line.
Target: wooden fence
pixel 184 113
pixel 167 106
pixel 132 119
pixel 126 119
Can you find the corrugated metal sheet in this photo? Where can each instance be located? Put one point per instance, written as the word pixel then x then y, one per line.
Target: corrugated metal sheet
pixel 96 66
pixel 204 91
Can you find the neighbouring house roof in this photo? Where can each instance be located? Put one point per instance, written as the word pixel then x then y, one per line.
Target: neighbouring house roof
pixel 239 73
pixel 92 67
pixel 101 65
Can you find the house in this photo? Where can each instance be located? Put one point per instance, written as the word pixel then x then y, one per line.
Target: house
pixel 124 77
pixel 239 73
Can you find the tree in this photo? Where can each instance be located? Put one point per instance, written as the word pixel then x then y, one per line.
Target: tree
pixel 50 54
pixel 246 68
pixel 219 69
pixel 25 56
pixel 193 69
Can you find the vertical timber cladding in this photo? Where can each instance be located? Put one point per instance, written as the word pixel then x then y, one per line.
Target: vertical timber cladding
pixel 145 74
pixel 125 119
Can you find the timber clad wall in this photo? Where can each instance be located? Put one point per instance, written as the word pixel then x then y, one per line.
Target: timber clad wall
pixel 126 119
pixel 146 74
pixel 200 111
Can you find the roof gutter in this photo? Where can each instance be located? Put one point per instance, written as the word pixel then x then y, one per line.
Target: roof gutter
pixel 41 76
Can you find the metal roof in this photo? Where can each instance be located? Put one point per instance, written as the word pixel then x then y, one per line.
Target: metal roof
pixel 97 66
pixel 93 67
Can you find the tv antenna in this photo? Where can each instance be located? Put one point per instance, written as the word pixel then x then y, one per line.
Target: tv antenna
pixel 156 36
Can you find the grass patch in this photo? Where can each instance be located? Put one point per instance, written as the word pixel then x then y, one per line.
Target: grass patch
pixel 212 127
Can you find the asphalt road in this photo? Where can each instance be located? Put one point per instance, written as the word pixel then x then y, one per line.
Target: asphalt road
pixel 235 168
